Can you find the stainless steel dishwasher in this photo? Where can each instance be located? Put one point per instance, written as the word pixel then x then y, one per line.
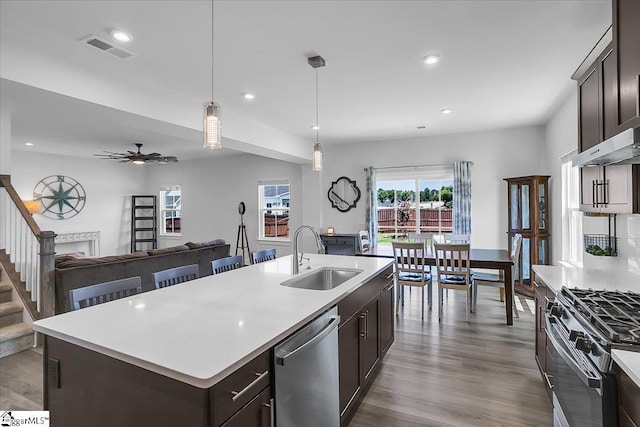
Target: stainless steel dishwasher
pixel 306 373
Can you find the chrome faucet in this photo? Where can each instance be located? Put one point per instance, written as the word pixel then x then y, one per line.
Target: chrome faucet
pixel 298 261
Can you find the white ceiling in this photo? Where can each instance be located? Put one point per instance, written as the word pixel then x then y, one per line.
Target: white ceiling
pixel 504 63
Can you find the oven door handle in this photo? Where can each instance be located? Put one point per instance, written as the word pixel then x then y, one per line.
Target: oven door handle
pixel 586 377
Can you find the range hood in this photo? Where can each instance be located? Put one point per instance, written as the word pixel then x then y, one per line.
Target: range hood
pixel 622 149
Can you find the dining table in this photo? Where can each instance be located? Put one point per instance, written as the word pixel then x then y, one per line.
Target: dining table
pixel 490 259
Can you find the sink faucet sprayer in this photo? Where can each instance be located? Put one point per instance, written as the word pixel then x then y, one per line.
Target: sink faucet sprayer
pixel 298 261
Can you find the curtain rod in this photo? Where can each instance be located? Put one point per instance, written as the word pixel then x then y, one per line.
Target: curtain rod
pixel 414 166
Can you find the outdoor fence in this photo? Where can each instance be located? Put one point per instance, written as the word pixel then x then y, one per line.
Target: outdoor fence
pixel 431 220
pixel 276 225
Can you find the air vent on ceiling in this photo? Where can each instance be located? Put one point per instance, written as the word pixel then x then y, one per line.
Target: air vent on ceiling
pixel 105 46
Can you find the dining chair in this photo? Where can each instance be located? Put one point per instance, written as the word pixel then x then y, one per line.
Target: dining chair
pixel 363 239
pixel 427 238
pixel 173 276
pixel 104 292
pixel 263 255
pixel 226 264
pixel 497 280
pixel 452 266
pixel 410 270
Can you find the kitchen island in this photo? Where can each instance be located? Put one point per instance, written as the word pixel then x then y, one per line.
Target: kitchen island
pixel 189 340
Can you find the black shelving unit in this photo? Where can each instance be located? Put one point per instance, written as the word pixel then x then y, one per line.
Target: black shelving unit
pixel 144 223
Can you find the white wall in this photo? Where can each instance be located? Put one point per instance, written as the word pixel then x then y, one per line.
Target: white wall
pixel 496 155
pixel 212 189
pixel 108 186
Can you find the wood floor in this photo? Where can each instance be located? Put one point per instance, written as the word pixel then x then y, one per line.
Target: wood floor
pixel 453 373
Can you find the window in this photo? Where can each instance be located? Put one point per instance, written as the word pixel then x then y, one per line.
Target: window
pixel 414 201
pixel 273 201
pixel 571 214
pixel 170 210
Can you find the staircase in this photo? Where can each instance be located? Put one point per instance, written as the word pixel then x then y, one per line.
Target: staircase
pixel 15 335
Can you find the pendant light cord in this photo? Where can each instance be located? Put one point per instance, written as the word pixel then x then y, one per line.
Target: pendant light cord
pixel 212 50
pixel 317 108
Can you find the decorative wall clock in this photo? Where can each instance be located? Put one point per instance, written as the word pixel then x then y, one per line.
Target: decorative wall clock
pixel 343 194
pixel 61 196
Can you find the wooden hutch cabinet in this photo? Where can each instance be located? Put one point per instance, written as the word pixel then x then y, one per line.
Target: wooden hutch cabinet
pixel 529 215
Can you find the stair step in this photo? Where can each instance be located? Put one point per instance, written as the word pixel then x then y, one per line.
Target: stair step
pixel 10 313
pixel 15 338
pixel 5 292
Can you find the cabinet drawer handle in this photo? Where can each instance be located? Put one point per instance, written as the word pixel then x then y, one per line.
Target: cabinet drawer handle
pixel 362 324
pixel 388 288
pixel 272 417
pixel 366 324
pixel 237 394
pixel 389 276
pixel 546 378
pixel 594 194
pixel 605 192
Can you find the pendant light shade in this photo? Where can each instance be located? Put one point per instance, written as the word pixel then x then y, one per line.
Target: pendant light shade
pixel 212 134
pixel 211 125
pixel 316 62
pixel 317 157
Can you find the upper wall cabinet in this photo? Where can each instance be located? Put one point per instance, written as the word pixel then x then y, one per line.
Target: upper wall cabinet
pixel 626 45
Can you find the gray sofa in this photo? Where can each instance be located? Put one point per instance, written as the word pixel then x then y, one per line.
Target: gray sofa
pixel 72 272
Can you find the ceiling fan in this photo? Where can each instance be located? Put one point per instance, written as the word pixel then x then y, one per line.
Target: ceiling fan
pixel 138 158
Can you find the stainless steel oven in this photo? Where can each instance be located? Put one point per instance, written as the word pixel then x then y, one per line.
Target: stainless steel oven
pixel 583 325
pixel 582 396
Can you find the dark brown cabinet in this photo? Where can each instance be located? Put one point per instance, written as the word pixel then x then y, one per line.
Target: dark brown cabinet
pixel 364 336
pixel 628 400
pixel 544 352
pixel 528 211
pixel 626 42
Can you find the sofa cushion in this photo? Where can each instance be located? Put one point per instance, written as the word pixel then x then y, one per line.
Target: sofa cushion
pixel 75 262
pixel 168 250
pixel 199 245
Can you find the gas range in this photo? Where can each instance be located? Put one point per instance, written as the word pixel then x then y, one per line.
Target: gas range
pixel 595 321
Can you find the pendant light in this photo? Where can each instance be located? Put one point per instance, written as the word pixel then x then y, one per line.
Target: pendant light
pixel 317 62
pixel 212 134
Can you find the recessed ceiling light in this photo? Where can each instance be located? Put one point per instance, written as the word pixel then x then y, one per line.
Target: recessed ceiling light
pixel 421 127
pixel 314 127
pixel 431 59
pixel 247 95
pixel 29 144
pixel 446 111
pixel 121 36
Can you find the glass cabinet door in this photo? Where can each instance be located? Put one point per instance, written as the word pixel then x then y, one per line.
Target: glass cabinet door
pixel 542 206
pixel 526 214
pixel 515 206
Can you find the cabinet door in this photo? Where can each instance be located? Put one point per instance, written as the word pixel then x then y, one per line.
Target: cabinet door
pixel 588 176
pixel 618 189
pixel 541 337
pixel 257 413
pixel 370 347
pixel 387 318
pixel 349 354
pixel 609 93
pixel 589 111
pixel 626 38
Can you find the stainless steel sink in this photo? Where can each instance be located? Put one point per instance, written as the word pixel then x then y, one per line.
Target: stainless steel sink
pixel 323 279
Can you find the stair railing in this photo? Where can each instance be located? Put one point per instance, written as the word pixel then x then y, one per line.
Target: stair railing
pixel 30 250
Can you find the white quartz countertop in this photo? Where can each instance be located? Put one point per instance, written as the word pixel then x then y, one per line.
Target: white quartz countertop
pixel 200 331
pixel 629 361
pixel 556 276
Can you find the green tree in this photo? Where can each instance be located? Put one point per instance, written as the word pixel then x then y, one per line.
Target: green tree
pixel 446 195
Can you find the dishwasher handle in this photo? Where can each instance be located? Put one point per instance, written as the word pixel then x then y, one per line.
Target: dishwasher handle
pixel 331 325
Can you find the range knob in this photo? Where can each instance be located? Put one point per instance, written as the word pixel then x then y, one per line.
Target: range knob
pixel 573 335
pixel 557 310
pixel 584 344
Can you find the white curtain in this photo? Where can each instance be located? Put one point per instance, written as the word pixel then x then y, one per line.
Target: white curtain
pixel 371 213
pixel 462 197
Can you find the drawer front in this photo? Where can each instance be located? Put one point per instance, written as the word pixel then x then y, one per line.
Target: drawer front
pixel 239 388
pixel 628 396
pixel 346 241
pixel 258 412
pixel 329 240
